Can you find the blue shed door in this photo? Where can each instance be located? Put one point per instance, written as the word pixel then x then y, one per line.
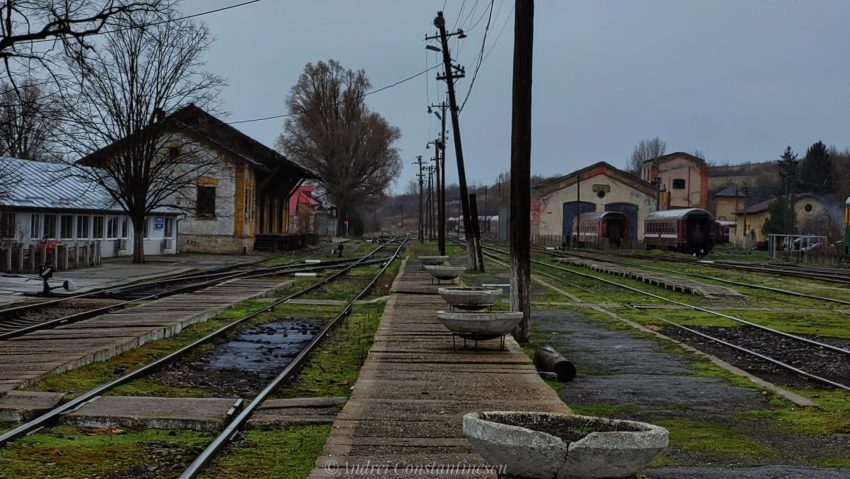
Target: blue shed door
pixel 631 212
pixel 570 214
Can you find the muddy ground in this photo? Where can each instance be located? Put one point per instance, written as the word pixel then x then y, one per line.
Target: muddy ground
pixel 635 379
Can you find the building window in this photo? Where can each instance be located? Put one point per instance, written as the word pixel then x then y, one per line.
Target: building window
pixel 98 227
pixel 169 228
pixel 125 230
pixel 146 228
pixel 35 223
pixel 205 205
pixel 600 194
pixel 7 225
pixel 112 227
pixel 82 227
pixel 49 226
pixel 678 184
pixel 66 226
pixel 808 207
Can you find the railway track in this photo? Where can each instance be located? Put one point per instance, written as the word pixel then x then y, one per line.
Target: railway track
pixel 24 319
pixel 839 355
pixel 609 258
pixel 50 417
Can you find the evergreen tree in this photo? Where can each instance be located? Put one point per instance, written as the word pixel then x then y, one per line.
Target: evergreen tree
pixel 775 223
pixel 816 173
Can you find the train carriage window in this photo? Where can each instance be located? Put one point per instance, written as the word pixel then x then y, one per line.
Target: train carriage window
pixel 678 184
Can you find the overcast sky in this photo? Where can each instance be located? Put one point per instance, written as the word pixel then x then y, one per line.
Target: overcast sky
pixel 738 80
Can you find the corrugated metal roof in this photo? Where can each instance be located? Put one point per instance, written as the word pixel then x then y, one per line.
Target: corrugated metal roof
pixel 35 184
pixel 676 214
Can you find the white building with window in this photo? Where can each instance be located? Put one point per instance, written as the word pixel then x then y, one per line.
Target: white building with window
pixel 45 205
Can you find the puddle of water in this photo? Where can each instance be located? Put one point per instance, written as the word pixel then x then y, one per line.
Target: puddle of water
pixel 264 349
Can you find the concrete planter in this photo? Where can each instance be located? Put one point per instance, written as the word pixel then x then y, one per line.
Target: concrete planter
pixel 472 325
pixel 445 272
pixel 550 446
pixel 433 260
pixel 469 298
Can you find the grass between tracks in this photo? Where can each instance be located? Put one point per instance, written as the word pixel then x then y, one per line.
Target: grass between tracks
pixel 750 437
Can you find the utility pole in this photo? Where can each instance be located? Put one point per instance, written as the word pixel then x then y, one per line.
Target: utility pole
pixel 420 174
pixel 520 227
pixel 430 203
pixel 450 74
pixel 440 146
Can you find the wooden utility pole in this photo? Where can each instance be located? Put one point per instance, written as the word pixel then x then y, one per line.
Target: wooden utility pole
pixel 430 203
pixel 520 227
pixel 440 146
pixel 476 233
pixel 420 174
pixel 450 74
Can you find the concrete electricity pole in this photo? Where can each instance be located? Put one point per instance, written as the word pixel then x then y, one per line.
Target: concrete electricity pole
pixel 520 227
pixel 450 74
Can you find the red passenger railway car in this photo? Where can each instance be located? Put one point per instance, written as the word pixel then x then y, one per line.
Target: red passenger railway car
pixel 603 229
pixel 689 230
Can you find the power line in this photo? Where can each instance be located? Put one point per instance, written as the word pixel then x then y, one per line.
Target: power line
pixel 501 30
pixel 370 92
pixel 480 56
pixel 172 20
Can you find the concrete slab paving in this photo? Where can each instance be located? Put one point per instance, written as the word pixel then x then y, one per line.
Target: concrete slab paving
pixel 24 405
pixel 199 414
pixel 278 413
pixel 28 358
pixel 404 415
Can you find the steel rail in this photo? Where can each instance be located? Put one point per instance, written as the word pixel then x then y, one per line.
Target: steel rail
pixel 712 338
pixel 50 416
pixel 713 278
pixel 72 318
pixel 239 421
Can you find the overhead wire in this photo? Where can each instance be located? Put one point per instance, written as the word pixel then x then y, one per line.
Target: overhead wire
pixel 480 56
pixel 501 30
pixel 370 92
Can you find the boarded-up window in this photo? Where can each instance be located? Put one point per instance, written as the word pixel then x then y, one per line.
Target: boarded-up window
pixel 206 201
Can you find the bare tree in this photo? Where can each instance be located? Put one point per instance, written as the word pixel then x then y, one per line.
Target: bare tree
pixel 32 30
pixel 27 121
pixel 332 132
pixel 645 150
pixel 118 121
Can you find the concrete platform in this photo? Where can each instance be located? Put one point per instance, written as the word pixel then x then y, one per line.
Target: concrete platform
pixel 404 416
pixel 281 413
pixel 116 271
pixel 199 414
pixel 670 282
pixel 28 358
pixel 25 405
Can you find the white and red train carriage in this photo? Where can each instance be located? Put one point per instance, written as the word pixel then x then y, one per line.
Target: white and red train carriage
pixel 602 229
pixel 690 230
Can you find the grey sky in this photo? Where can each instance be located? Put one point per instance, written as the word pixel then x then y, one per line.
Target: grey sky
pixel 737 79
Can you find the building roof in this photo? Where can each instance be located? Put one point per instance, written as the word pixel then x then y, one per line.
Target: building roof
pixel 586 173
pixel 39 185
pixel 673 156
pixel 765 205
pixel 731 191
pixel 195 121
pixel 677 214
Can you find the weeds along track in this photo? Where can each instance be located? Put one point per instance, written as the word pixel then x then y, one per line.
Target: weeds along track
pixel 619 259
pixel 50 417
pixel 19 320
pixel 795 354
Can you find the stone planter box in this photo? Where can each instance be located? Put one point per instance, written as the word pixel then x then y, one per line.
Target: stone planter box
pixel 479 326
pixel 469 298
pixel 441 273
pixel 433 260
pixel 562 446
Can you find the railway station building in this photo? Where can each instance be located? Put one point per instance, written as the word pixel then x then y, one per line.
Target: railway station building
pixel 48 212
pixel 243 199
pixel 684 178
pixel 598 187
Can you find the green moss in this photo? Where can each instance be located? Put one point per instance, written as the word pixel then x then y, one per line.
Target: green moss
pixel 831 416
pixel 64 451
pixel 602 409
pixel 712 441
pixel 284 454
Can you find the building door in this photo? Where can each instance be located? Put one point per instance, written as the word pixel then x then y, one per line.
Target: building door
pixel 570 214
pixel 631 212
